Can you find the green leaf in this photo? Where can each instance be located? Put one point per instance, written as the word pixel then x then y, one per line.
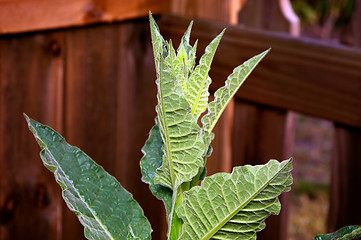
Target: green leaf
pixel 159 44
pixel 152 160
pixel 103 206
pixel 197 87
pixel 183 139
pixel 183 62
pixel 224 94
pixel 234 206
pixel 178 64
pixel 345 233
pixel 184 47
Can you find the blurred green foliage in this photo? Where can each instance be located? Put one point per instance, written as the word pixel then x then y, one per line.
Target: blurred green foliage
pixel 318 11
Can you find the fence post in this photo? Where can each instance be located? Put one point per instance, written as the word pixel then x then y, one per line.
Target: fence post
pixel 345 199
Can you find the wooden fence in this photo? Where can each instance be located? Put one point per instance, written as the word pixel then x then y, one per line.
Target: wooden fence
pixel 95 85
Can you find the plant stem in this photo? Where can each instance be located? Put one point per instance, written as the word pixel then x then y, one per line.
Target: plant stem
pixel 175 223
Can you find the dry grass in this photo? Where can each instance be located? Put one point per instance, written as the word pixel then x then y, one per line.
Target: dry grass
pixel 308 213
pixel 309 197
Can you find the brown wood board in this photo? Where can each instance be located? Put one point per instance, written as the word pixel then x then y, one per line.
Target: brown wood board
pixel 31 82
pixel 303 75
pixel 30 15
pixel 344 206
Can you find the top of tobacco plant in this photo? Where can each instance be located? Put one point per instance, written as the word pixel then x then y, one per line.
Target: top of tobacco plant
pixel 225 205
pixel 183 145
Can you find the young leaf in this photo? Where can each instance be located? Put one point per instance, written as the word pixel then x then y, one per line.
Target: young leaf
pixel 159 44
pixel 224 94
pixel 183 62
pixel 234 206
pixel 345 233
pixel 184 47
pixel 152 160
pixel 103 206
pixel 198 84
pixel 183 139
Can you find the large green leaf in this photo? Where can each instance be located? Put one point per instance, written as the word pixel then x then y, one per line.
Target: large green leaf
pixel 197 87
pixel 224 94
pixel 345 233
pixel 152 160
pixel 105 209
pixel 183 139
pixel 234 206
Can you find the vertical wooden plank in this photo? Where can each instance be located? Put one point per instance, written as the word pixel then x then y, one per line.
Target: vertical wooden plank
pixel 346 166
pixel 31 80
pixel 110 104
pixel 136 99
pixel 344 206
pixel 90 101
pixel 260 135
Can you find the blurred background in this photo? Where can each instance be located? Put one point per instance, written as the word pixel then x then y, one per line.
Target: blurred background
pixel 85 67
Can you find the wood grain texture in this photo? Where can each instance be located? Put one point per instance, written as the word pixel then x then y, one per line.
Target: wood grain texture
pixel 90 100
pixel 30 15
pixel 302 75
pixel 345 179
pixel 31 79
pixel 344 206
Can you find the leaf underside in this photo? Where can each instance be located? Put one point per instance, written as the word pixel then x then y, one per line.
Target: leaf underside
pixel 103 206
pixel 197 87
pixel 184 144
pixel 234 206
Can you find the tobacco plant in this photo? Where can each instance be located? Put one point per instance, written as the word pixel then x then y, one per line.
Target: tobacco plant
pixel 222 206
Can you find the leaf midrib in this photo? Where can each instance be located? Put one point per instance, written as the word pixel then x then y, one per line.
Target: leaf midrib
pixel 59 168
pixel 196 102
pixel 234 212
pixel 257 59
pixel 217 116
pixel 167 142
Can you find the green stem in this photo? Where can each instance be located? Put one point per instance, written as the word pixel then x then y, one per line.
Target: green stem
pixel 175 223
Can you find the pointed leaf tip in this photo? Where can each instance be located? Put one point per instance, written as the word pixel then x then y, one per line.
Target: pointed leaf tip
pixel 103 206
pixel 197 87
pixel 224 94
pixel 26 118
